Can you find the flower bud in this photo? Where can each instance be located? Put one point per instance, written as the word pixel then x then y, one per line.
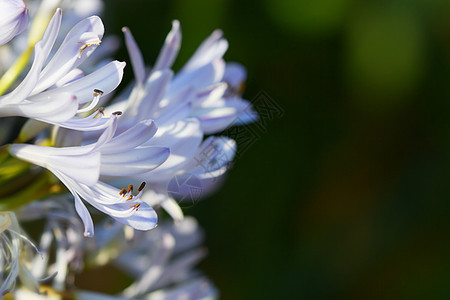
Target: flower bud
pixel 13 19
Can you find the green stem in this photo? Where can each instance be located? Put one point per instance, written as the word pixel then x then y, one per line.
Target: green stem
pixel 39 187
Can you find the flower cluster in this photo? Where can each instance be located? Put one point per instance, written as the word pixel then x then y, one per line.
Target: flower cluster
pixel 121 154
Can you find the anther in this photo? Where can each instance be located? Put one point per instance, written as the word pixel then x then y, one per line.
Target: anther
pixel 135 206
pixel 130 198
pixel 141 187
pixel 122 192
pixel 118 113
pixel 130 188
pixel 97 92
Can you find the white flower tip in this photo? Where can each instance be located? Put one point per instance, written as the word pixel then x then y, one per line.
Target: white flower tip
pixel 149 123
pixel 120 64
pixel 96 18
pixel 218 33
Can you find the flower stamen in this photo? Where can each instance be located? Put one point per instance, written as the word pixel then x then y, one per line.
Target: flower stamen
pixel 83 47
pixel 97 93
pixel 135 206
pixel 127 195
pixel 141 187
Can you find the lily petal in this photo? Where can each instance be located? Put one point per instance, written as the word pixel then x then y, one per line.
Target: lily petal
pixel 41 52
pixel 79 43
pixel 170 49
pixel 105 79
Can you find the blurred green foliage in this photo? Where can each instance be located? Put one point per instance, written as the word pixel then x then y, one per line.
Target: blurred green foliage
pixel 347 195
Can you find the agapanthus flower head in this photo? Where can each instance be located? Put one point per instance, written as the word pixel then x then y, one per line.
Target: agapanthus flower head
pixel 54 93
pixel 79 168
pixel 123 159
pixel 203 98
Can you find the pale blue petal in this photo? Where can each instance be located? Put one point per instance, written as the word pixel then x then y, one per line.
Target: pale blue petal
pixel 170 49
pixel 72 53
pixel 41 52
pixel 137 62
pixel 105 79
pixel 133 162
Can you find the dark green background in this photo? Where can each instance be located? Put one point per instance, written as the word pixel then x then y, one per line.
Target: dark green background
pixel 347 194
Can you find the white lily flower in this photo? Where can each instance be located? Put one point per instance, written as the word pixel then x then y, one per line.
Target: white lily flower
pixel 13 19
pixel 202 98
pixel 79 168
pixel 40 95
pixel 92 154
pixel 207 89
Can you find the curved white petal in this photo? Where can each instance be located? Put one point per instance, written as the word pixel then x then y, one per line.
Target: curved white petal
pixel 155 89
pixel 183 138
pixel 41 52
pixel 175 108
pixel 84 168
pixel 81 209
pixel 170 49
pixel 213 154
pixel 47 110
pixel 215 119
pixel 79 43
pixel 200 77
pixel 137 61
pixel 133 137
pixel 105 79
pixel 212 48
pixel 84 124
pixel 133 162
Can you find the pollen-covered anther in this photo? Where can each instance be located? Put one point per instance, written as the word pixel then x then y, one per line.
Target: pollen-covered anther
pixel 135 206
pixel 130 198
pixel 122 192
pixel 97 92
pixel 130 188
